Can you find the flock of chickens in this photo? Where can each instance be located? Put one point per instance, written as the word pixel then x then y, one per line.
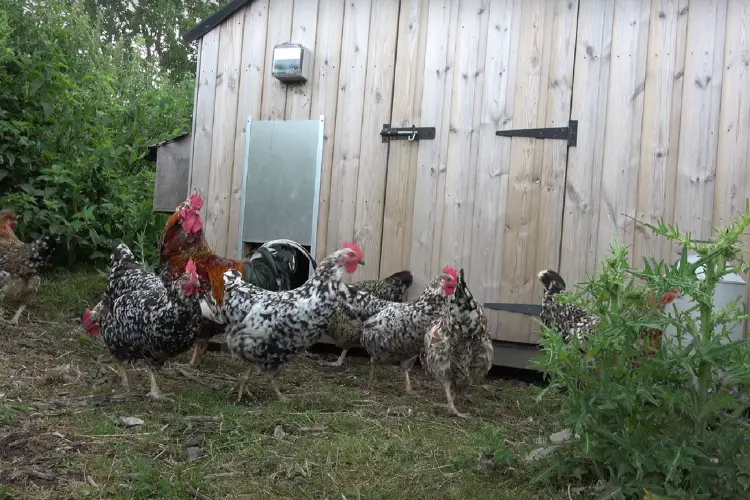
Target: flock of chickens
pixel 197 295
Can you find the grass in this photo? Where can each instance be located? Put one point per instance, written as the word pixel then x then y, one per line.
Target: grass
pixel 60 404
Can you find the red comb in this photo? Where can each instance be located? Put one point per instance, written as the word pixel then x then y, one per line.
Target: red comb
pixel 196 201
pixel 86 316
pixel 190 267
pixel 452 271
pixel 353 246
pixel 191 220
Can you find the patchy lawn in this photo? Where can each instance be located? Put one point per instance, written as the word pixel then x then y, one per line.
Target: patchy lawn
pixel 61 436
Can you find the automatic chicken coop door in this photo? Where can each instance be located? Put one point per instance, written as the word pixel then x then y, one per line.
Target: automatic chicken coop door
pixel 281 185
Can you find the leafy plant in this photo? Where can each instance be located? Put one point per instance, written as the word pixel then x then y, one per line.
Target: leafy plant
pixel 76 117
pixel 670 423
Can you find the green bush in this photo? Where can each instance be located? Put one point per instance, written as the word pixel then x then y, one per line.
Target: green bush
pixel 671 424
pixel 76 116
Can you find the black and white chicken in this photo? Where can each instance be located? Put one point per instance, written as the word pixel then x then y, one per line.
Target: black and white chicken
pixel 457 347
pixel 395 334
pixel 141 318
pixel 267 329
pixel 568 319
pixel 345 328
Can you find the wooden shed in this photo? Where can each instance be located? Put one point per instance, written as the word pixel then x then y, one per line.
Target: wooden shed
pixel 172 158
pixel 634 107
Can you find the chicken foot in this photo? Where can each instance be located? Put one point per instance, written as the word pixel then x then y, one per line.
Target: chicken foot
pixel 17 316
pixel 451 405
pixel 339 361
pixel 155 392
pixel 275 388
pixel 242 384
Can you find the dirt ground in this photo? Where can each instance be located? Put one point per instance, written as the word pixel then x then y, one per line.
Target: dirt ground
pixel 67 430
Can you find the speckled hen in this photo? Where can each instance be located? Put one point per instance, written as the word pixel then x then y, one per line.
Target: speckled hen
pixel 458 347
pixel 345 328
pixel 142 319
pixel 395 335
pixel 568 319
pixel 267 329
pixel 20 264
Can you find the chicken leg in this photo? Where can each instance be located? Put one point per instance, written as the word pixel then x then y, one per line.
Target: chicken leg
pixel 242 384
pixel 339 361
pixel 123 370
pixel 17 316
pixel 372 374
pixel 200 349
pixel 451 406
pixel 275 388
pixel 155 392
pixel 405 367
pixel 408 387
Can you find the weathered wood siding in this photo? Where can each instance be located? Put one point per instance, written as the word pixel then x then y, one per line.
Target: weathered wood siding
pixel 172 174
pixel 661 90
pixel 354 46
pixel 669 143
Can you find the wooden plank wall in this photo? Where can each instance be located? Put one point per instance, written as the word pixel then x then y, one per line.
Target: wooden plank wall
pixel 661 89
pixel 534 199
pixel 351 85
pixel 668 137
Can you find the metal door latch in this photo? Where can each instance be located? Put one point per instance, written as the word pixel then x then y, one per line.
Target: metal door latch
pixel 406 133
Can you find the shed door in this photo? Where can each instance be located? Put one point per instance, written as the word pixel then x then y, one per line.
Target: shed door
pixel 492 205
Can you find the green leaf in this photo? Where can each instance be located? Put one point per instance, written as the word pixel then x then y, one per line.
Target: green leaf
pixel 35 86
pixel 48 108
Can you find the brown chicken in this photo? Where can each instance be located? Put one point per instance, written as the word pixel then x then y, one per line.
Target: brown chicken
pixel 270 267
pixel 20 263
pixel 345 328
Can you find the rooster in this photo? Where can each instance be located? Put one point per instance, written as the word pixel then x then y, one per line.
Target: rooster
pixel 346 326
pixel 269 267
pixel 395 334
pixel 141 318
pixel 267 329
pixel 458 347
pixel 20 263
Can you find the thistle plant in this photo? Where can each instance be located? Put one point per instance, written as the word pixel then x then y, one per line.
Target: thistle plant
pixel 671 419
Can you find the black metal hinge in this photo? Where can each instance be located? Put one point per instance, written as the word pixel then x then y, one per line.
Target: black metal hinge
pixel 569 133
pixel 407 133
pixel 530 309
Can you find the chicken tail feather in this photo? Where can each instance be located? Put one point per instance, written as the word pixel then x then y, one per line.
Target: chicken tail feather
pixel 273 244
pixel 405 277
pixel 41 251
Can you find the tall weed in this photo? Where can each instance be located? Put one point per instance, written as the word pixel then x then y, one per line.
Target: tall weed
pixel 671 424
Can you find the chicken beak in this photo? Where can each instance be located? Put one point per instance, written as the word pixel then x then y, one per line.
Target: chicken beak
pixel 361 262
